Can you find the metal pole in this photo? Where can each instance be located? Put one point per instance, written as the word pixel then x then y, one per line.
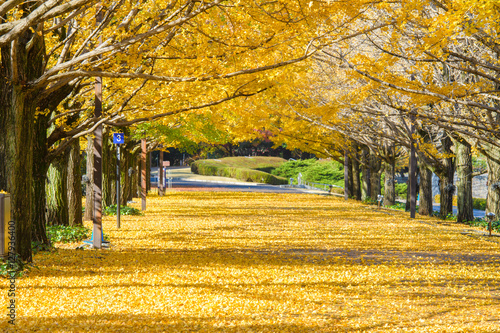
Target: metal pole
pixel 118 201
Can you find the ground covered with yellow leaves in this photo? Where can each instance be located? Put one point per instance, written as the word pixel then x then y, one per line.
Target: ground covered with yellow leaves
pixel 250 262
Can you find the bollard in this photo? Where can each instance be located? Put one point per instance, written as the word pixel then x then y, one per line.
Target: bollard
pixel 380 198
pixel 490 217
pixel 5 221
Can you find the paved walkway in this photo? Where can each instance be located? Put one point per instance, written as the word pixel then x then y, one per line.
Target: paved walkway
pixel 184 180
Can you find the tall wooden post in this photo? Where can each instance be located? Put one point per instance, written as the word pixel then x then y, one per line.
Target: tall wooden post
pixel 97 216
pixel 143 174
pixel 413 172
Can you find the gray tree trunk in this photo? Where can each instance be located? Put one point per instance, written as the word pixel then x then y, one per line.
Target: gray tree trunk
pixel 108 172
pixel 389 181
pixel 375 175
pixel 425 195
pixel 464 183
pixel 365 179
pixel 57 191
pixel 40 167
pixel 493 197
pixel 356 182
pixel 446 187
pixel 74 184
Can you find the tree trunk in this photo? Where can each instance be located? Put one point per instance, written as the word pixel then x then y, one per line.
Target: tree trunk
pixel 21 62
pixel 148 172
pixel 89 189
pixel 40 167
pixel 375 173
pixel 425 202
pixel 464 182
pixel 446 187
pixel 129 172
pixel 57 191
pixel 346 175
pixel 108 172
pixel 365 179
pixel 350 177
pixel 74 183
pixel 493 197
pixel 356 182
pixel 389 186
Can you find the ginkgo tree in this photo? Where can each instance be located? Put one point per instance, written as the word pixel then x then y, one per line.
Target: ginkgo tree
pixel 437 63
pixel 157 58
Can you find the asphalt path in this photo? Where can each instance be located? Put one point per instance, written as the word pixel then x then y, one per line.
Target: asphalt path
pixel 183 180
pixel 201 185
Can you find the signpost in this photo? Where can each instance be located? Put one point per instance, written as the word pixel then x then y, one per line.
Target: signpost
pixel 118 139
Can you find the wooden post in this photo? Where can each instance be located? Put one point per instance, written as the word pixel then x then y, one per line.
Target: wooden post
pixel 143 174
pixel 413 172
pixel 97 216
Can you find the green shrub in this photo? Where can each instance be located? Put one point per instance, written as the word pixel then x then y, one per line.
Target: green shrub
pixel 401 190
pixel 312 170
pixel 325 173
pixel 216 168
pixel 14 267
pixel 291 169
pixel 478 203
pixel 124 210
pixel 482 223
pixel 67 234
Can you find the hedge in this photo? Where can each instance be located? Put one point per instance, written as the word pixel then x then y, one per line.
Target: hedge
pixel 477 203
pixel 212 168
